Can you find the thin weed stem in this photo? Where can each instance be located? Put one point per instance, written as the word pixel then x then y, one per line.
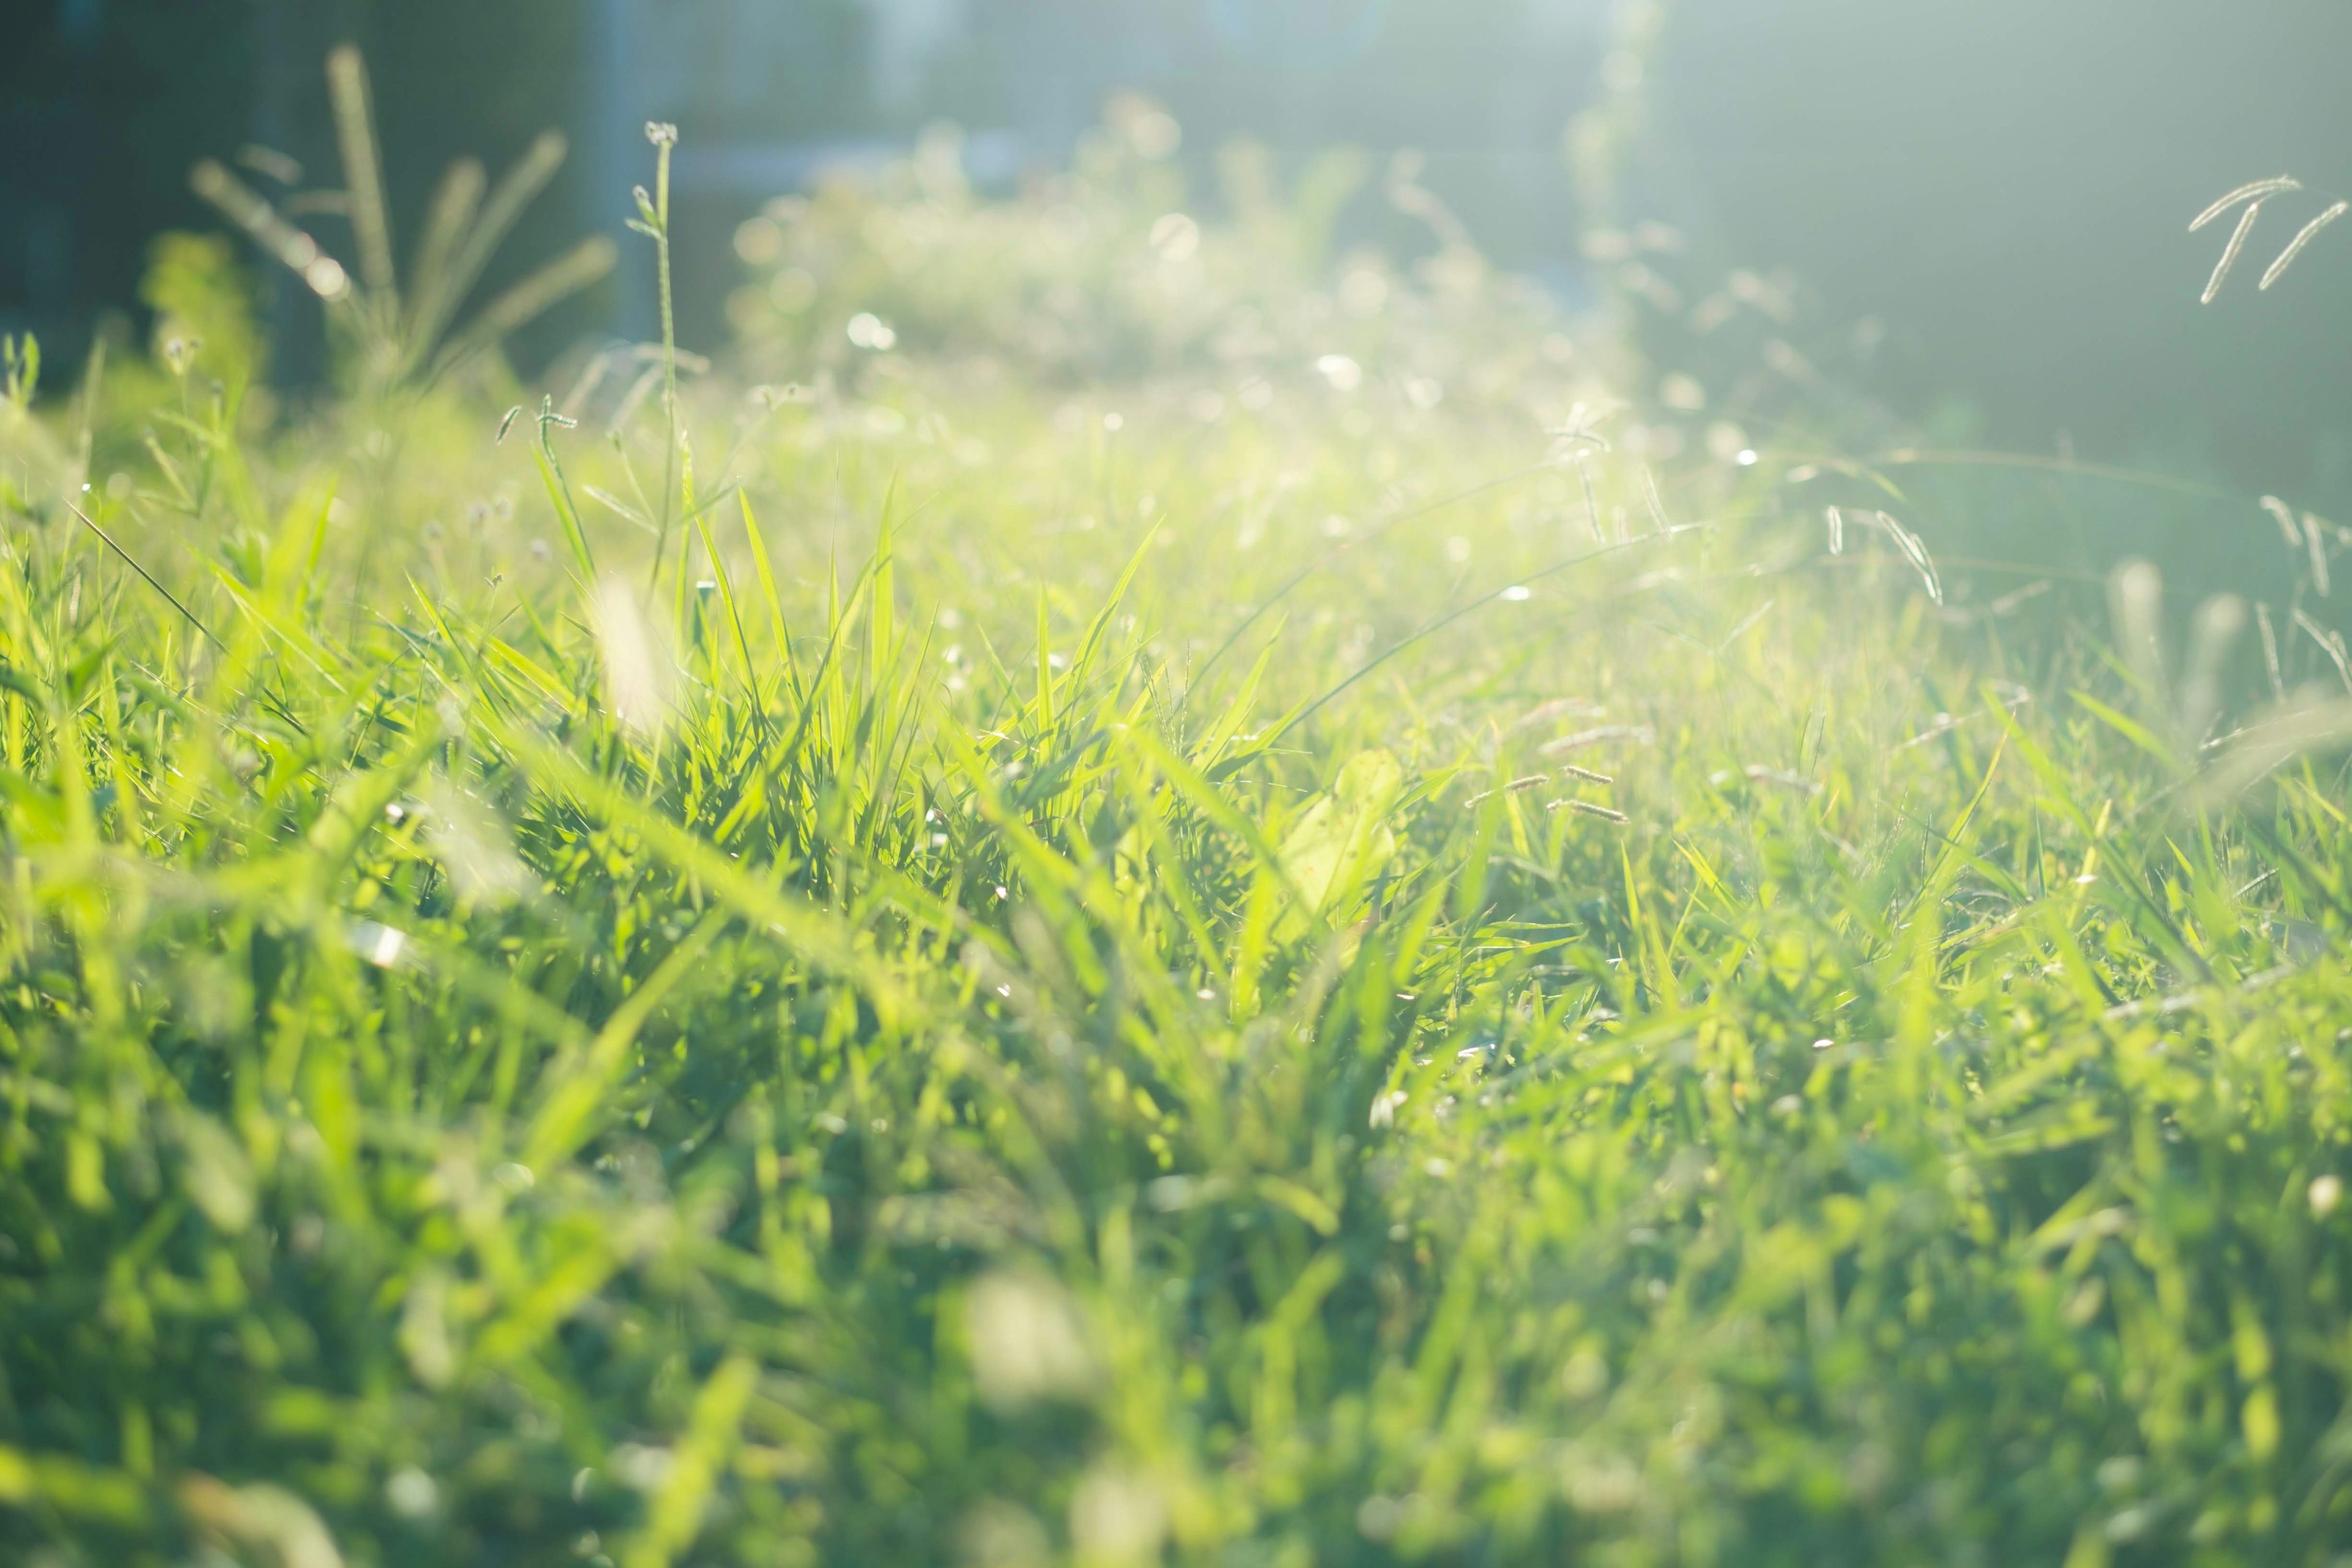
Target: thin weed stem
pixel 656 225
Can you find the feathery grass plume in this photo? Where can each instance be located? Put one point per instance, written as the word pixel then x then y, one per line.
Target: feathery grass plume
pixel 2317 546
pixel 2303 237
pixel 1654 500
pixel 2218 623
pixel 640 675
pixel 441 291
pixel 2270 651
pixel 347 90
pixel 2251 190
pixel 1578 430
pixel 575 269
pixel 270 164
pixel 1586 808
pixel 2284 517
pixel 400 341
pixel 242 205
pixel 1945 723
pixel 1591 500
pixel 1570 770
pixel 2229 253
pixel 1836 520
pixel 1516 786
pixel 2135 598
pixel 2331 642
pixel 1915 550
pixel 455 200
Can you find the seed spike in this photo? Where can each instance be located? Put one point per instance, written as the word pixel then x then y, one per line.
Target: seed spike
pixel 2303 237
pixel 2251 190
pixel 2238 237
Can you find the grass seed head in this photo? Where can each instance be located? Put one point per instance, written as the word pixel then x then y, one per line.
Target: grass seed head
pixel 2229 253
pixel 2303 237
pixel 2253 191
pixel 1587 808
pixel 2283 515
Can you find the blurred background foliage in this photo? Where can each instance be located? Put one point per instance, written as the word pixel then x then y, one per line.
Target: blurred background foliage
pixel 1980 211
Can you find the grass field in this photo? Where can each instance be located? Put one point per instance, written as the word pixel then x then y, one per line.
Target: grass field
pixel 1191 907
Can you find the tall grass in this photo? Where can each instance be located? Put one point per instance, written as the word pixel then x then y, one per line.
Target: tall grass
pixel 1170 964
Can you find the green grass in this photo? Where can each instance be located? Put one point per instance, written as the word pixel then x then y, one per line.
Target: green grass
pixel 1045 995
